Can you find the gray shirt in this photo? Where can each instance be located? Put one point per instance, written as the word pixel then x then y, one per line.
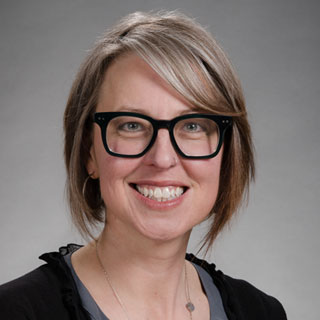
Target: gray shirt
pixel 216 308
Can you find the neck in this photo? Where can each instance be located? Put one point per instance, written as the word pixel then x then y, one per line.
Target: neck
pixel 123 246
pixel 146 271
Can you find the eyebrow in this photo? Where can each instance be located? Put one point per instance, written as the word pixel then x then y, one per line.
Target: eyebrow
pixel 145 112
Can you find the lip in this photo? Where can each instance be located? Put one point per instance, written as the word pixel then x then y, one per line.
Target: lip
pixel 163 183
pixel 163 205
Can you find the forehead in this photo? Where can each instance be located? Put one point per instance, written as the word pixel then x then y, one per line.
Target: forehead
pixel 130 81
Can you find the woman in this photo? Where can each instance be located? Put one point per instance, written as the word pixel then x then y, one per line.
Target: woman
pixel 156 141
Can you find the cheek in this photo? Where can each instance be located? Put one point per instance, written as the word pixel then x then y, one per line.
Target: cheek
pixel 206 173
pixel 110 181
pixel 108 167
pixel 210 185
pixel 213 178
pixel 206 177
pixel 113 176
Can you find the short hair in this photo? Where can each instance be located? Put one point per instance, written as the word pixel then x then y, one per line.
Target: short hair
pixel 186 56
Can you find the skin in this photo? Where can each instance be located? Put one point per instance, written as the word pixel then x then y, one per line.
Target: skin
pixel 148 236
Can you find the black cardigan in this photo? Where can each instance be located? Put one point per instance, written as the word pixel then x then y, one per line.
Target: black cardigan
pixel 50 293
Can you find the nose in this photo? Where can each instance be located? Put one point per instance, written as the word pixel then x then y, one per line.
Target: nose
pixel 162 153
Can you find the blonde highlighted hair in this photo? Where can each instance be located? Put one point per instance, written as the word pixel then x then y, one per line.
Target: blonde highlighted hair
pixel 190 60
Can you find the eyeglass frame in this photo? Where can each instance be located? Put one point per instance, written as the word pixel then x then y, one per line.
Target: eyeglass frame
pixel 103 119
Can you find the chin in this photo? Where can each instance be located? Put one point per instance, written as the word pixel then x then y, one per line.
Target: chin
pixel 165 233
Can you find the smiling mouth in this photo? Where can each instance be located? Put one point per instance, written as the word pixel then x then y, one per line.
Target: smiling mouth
pixel 160 194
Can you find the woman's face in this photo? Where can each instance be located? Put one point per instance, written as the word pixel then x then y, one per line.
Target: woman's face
pixel 131 85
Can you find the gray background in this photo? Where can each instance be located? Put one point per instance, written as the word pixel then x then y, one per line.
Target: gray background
pixel 274 45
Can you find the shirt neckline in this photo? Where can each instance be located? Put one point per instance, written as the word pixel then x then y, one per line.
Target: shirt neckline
pixel 211 291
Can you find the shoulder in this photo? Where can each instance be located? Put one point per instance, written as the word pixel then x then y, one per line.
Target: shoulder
pixel 44 293
pixel 241 299
pixel 27 295
pixel 251 301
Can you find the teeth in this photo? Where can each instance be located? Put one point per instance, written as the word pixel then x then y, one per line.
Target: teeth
pixel 166 193
pixel 179 192
pixel 157 193
pixel 161 194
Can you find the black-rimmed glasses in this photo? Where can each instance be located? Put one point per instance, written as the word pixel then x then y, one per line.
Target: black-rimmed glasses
pixel 131 135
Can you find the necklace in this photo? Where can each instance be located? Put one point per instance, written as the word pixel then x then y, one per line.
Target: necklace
pixel 189 305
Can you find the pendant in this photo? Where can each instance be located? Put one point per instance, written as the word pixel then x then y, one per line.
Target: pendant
pixel 190 306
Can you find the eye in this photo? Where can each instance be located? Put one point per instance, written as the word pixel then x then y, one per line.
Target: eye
pixel 192 127
pixel 195 128
pixel 131 126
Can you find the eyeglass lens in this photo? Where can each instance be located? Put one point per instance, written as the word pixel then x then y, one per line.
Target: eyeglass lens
pixel 130 135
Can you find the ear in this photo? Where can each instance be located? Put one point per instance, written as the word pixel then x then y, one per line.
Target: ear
pixel 92 166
